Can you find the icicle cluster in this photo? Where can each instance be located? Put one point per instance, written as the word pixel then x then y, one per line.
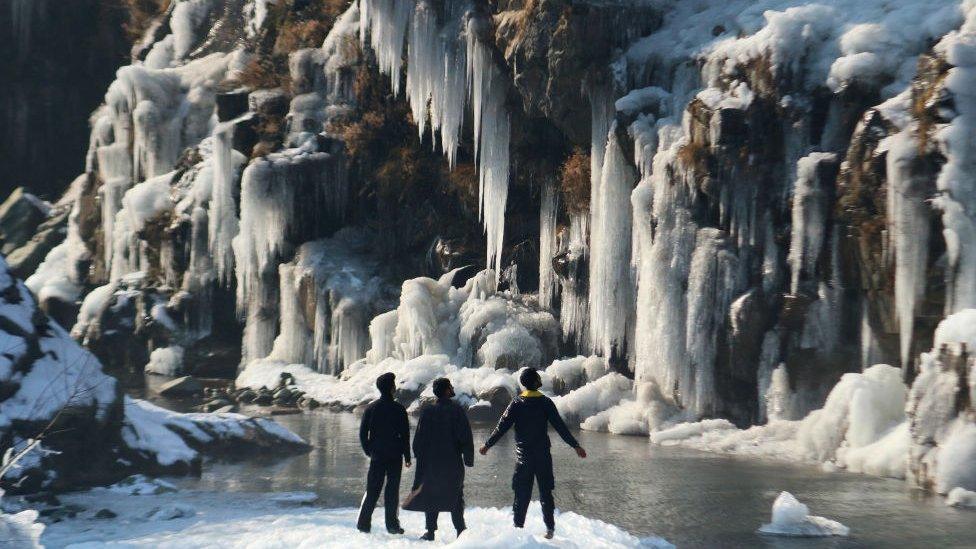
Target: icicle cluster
pixel 447 62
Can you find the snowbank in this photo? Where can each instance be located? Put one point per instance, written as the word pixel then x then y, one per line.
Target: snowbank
pixel 792 518
pixel 263 520
pixel 861 427
pixel 173 439
pixel 20 530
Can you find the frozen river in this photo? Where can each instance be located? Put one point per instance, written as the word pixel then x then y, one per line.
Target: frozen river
pixel 690 498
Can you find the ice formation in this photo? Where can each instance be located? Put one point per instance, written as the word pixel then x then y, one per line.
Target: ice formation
pixel 437 56
pixel 792 518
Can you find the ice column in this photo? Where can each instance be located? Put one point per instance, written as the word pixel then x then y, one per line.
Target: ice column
pixel 548 283
pixel 223 211
pixel 909 228
pixel 611 288
pixel 810 211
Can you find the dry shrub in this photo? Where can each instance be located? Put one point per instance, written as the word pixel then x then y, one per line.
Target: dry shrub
pixel 694 156
pixel 141 14
pixel 263 72
pixel 575 180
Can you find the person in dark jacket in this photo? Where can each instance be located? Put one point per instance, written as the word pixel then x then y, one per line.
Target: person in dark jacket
pixel 531 413
pixel 443 446
pixel 384 434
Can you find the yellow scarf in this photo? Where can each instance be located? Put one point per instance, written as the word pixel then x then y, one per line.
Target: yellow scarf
pixel 531 394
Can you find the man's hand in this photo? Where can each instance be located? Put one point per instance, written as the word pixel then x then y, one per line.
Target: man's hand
pixel 580 452
pixel 483 451
pixel 407 465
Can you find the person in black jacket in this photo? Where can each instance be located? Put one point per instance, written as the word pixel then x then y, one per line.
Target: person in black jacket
pixel 530 413
pixel 384 434
pixel 443 446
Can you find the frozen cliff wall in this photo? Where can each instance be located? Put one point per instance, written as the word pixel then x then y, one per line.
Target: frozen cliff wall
pixel 733 204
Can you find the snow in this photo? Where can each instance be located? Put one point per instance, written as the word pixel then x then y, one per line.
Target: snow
pixel 861 427
pixel 263 520
pixel 960 497
pixel 141 485
pixel 792 518
pixel 20 530
pixel 956 458
pixel 595 397
pixel 167 436
pixel 52 278
pixel 167 361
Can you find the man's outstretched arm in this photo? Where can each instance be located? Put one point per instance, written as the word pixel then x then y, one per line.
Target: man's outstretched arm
pixel 559 425
pixel 504 424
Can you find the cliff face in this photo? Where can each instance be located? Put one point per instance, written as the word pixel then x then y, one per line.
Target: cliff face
pixel 731 204
pixel 59 58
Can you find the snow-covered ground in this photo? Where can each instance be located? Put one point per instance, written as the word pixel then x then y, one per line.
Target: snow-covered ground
pixel 193 519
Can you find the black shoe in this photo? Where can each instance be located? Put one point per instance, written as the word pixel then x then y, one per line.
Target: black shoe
pixel 396 530
pixel 363 529
pixel 550 533
pixel 429 536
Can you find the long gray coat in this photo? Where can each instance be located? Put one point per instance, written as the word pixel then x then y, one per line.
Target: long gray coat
pixel 443 446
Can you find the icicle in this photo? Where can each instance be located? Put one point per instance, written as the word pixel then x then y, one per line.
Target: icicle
pixel 492 133
pixel 348 337
pixel 294 342
pixel 548 282
pixel 223 211
pixel 811 206
pixel 667 238
pixel 712 286
pixel 573 310
pixel 386 22
pixel 611 287
pixel 909 229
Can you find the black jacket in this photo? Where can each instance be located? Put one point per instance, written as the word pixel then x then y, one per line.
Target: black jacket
pixel 443 446
pixel 384 431
pixel 531 413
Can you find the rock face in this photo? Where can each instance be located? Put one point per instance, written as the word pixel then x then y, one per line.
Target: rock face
pixel 53 390
pixel 730 203
pixel 60 57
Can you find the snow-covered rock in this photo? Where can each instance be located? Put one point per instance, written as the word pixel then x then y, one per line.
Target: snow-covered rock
pixel 176 441
pixel 53 389
pixel 20 530
pixel 792 518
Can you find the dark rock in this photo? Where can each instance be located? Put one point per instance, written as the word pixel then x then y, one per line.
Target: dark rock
pixel 25 259
pixel 20 215
pixel 105 514
pixel 247 396
pixel 228 409
pixel 230 105
pixel 183 386
pixel 263 399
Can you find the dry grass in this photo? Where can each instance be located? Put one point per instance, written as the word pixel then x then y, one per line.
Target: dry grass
pixel 574 180
pixel 141 14
pixel 264 73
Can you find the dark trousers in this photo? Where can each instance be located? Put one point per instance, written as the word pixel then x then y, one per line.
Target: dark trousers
pixel 380 470
pixel 536 467
pixel 457 517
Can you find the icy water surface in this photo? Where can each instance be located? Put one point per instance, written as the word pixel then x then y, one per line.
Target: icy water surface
pixel 690 498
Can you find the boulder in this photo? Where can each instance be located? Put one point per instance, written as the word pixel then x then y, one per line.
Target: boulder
pixel 182 386
pixel 20 215
pixel 26 258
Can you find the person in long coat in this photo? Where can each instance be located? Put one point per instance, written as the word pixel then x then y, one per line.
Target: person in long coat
pixel 384 434
pixel 443 446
